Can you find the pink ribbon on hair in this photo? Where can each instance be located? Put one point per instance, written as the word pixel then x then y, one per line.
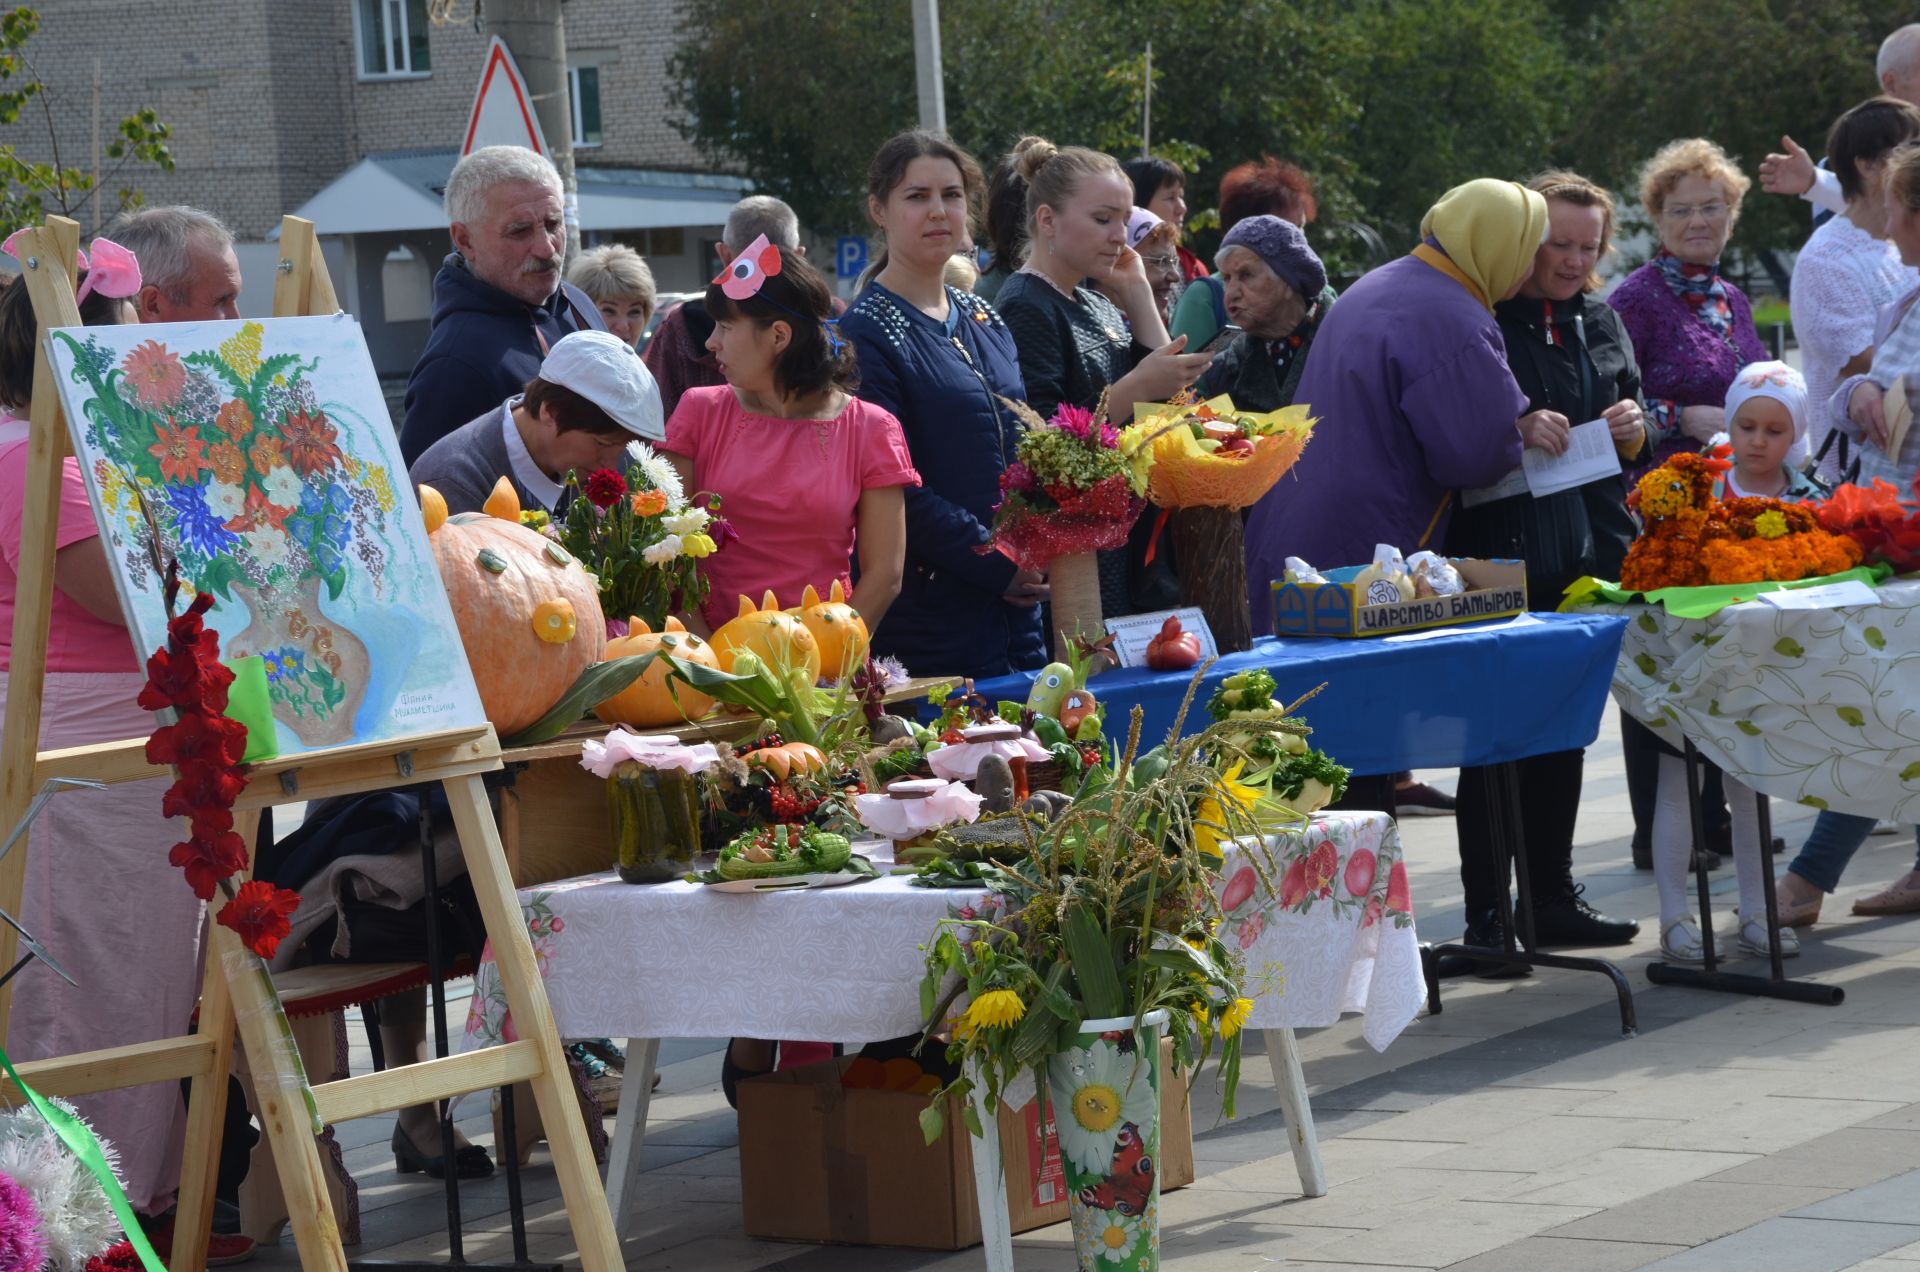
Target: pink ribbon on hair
pixel 113 271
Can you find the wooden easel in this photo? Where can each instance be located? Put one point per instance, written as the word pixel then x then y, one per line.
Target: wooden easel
pixel 236 990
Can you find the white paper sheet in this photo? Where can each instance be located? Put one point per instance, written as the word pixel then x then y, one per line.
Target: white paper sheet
pixel 1826 596
pixel 1589 457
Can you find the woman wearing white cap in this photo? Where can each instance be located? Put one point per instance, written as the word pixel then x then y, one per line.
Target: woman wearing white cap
pixel 592 399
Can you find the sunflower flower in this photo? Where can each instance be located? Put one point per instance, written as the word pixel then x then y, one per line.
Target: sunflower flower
pixel 1233 1017
pixel 1210 828
pixel 995 1009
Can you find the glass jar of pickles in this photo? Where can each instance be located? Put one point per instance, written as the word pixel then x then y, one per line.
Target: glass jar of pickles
pixel 653 801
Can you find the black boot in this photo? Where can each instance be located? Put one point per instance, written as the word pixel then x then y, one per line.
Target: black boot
pixel 1565 918
pixel 1489 932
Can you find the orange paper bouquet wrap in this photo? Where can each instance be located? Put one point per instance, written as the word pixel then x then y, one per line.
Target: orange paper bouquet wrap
pixel 1185 474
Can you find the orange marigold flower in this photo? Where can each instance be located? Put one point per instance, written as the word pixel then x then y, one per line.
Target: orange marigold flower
pixel 649 503
pixel 235 418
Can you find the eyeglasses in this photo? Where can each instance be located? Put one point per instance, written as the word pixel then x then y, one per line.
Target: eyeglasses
pixel 1687 211
pixel 1161 262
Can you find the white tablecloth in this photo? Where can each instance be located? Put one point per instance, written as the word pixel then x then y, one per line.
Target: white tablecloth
pixel 681 960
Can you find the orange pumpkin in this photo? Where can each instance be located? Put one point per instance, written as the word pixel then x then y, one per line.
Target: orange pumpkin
pixel 529 615
pixel 837 629
pixel 648 700
pixel 776 637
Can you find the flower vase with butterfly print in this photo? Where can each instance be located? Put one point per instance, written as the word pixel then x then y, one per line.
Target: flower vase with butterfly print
pixel 1105 1091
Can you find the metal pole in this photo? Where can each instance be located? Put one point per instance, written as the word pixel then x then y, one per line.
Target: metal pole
pixel 1146 108
pixel 534 32
pixel 926 65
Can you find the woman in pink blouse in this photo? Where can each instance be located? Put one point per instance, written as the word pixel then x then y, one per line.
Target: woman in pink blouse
pixel 808 474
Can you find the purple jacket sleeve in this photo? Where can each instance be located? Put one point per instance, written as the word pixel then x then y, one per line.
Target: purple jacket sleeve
pixel 1463 411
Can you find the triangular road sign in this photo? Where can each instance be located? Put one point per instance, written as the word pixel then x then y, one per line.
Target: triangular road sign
pixel 502 108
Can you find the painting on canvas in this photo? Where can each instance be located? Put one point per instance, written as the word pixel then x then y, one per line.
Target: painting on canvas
pixel 260 456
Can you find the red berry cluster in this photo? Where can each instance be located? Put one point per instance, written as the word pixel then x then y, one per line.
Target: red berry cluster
pixel 789 805
pixel 204 747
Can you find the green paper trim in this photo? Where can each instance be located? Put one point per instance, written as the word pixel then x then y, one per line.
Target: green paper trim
pixel 1705 602
pixel 249 703
pixel 81 1143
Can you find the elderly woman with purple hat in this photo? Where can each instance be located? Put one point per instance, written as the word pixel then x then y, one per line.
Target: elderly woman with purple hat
pixel 1277 294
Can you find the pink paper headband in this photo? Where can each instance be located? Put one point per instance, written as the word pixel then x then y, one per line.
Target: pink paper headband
pixel 113 271
pixel 748 272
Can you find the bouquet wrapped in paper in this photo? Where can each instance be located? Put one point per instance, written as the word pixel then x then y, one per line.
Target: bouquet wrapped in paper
pixel 1214 455
pixel 1074 487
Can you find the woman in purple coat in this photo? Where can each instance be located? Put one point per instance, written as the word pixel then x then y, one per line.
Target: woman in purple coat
pixel 1691 328
pixel 1691 331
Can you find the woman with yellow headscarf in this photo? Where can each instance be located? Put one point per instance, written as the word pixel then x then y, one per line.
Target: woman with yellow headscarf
pixel 1408 377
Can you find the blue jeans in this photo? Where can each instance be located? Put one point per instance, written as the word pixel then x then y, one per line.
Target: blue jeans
pixel 1831 845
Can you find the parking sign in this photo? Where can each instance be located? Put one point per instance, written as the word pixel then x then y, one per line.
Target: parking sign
pixel 850 255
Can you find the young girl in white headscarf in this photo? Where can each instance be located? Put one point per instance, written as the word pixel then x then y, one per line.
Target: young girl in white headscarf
pixel 1767 428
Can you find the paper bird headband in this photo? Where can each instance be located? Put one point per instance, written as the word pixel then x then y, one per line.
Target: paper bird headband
pixel 113 271
pixel 747 273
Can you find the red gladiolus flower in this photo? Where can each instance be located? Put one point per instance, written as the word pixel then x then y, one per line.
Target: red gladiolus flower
pixel 259 912
pixel 604 488
pixel 202 789
pixel 209 859
pixel 173 680
pixel 210 739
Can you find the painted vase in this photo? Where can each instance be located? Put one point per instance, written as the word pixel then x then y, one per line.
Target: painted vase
pixel 1105 1090
pixel 317 670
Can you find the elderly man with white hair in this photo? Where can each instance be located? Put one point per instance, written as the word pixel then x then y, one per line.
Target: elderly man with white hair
pixel 499 301
pixel 1898 69
pixel 188 270
pixel 1276 292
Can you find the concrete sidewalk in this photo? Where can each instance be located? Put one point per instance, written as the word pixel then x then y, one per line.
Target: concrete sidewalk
pixel 1514 1132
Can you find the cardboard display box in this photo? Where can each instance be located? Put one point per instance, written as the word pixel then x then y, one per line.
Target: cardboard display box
pixel 1495 589
pixel 819 1162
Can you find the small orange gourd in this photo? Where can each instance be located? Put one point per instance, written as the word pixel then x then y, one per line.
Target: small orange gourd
pixel 776 637
pixel 837 629
pixel 529 615
pixel 784 761
pixel 649 700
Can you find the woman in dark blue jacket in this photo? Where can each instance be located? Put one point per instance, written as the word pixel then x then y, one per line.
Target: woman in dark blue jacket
pixel 936 358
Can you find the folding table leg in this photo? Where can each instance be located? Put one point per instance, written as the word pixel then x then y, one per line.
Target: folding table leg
pixel 1290 1082
pixel 630 1130
pixel 990 1186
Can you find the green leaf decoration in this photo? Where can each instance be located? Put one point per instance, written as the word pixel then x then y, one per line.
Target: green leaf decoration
pixel 593 686
pixel 1874 637
pixel 1712 640
pixel 492 562
pixel 1713 707
pixel 1646 664
pixel 1788 647
pixel 1747 727
pixel 933 1123
pixel 1850 715
pixel 1910 772
pixel 1647 624
pixel 1814 801
pixel 1092 962
pixel 557 554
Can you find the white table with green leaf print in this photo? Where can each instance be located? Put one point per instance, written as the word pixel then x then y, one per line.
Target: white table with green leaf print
pixel 1821 707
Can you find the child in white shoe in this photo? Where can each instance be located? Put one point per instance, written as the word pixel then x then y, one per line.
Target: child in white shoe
pixel 1767 428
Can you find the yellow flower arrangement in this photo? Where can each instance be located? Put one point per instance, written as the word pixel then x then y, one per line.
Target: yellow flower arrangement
pixel 995 1009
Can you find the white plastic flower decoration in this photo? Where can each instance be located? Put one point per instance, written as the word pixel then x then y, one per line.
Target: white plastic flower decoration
pixel 1095 1096
pixel 664 551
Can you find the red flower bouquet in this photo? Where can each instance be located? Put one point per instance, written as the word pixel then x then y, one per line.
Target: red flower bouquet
pixel 1073 488
pixel 1886 528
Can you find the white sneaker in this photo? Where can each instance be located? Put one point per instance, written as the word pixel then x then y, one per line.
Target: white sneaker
pixel 1753 939
pixel 1680 941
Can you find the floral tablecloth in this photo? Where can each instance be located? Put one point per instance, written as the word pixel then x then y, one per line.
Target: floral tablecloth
pixel 1814 706
pixel 1336 935
pixel 1332 932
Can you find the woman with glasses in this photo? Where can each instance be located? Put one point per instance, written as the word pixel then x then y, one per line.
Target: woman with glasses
pixel 1691 328
pixel 1159 251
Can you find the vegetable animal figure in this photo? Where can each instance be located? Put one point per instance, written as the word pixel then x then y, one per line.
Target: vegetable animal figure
pixel 771 634
pixel 529 615
pixel 1692 539
pixel 649 700
pixel 837 629
pixel 1050 690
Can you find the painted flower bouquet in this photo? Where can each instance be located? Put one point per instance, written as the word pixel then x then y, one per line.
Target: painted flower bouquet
pixel 230 464
pixel 641 535
pixel 1101 941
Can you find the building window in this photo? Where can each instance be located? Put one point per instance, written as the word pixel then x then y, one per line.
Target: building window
pixel 583 85
pixel 392 38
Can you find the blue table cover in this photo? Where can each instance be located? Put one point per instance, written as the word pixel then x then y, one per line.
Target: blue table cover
pixel 1480 694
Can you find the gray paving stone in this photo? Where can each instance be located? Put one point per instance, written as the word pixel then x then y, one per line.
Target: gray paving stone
pixel 1793 1245
pixel 1850 1158
pixel 1895 1200
pixel 1692 1213
pixel 1563 1254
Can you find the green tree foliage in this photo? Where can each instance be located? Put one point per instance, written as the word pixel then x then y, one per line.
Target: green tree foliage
pixel 1385 103
pixel 28 189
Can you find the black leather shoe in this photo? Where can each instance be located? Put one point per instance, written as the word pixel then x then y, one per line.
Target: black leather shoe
pixel 1487 931
pixel 1567 919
